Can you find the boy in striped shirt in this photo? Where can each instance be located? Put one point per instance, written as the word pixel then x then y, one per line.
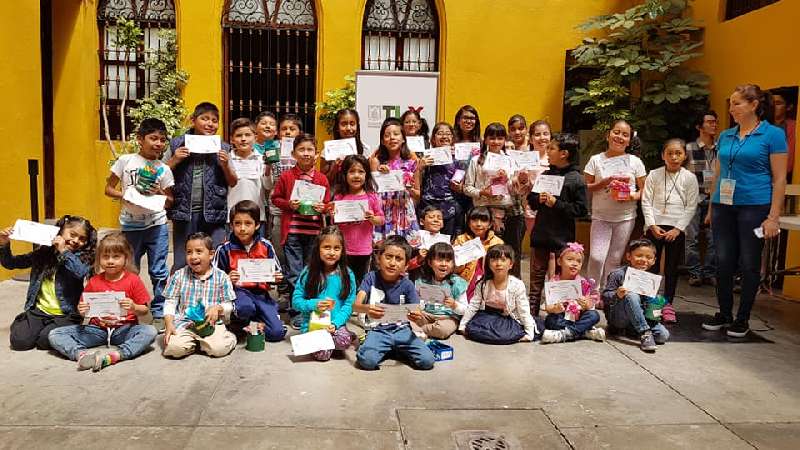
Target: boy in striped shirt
pixel 198 283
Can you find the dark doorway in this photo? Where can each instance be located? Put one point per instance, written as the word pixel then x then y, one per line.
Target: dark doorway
pixel 46 52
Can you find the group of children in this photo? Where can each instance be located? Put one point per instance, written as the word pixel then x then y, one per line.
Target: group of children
pixel 403 249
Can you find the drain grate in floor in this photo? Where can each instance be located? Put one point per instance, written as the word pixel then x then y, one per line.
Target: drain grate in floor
pixel 484 440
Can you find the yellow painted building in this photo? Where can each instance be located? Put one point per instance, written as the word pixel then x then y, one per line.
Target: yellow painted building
pixel 502 57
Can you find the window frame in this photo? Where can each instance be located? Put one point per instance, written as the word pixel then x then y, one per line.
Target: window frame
pixel 401 34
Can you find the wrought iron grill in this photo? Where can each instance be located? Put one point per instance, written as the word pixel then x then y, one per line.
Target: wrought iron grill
pixel 400 35
pixel 736 8
pixel 270 58
pixel 121 74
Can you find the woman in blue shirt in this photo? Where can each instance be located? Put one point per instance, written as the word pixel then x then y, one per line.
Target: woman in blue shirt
pixel 749 186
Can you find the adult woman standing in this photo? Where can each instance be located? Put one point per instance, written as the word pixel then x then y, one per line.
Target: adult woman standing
pixel 615 180
pixel 749 186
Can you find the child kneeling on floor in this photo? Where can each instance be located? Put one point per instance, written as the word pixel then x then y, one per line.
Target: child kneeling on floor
pixel 576 318
pixel 116 273
pixel 390 283
pixel 499 312
pixel 626 309
pixel 198 286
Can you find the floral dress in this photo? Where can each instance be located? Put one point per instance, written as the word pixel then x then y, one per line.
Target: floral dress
pixel 398 207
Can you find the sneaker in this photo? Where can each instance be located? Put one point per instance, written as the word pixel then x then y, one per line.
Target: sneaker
pixel 738 329
pixel 711 281
pixel 296 322
pixel 158 323
pixel 89 360
pixel 595 334
pixel 648 342
pixel 555 336
pixel 695 281
pixel 668 314
pixel 716 323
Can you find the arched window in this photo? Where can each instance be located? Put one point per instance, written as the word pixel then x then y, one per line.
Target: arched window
pixel 400 35
pixel 121 75
pixel 270 58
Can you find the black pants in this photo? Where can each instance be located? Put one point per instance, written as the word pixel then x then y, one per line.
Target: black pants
pixel 673 257
pixel 513 233
pixel 31 328
pixel 359 264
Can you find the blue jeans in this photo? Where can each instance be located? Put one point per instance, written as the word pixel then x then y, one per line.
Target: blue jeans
pixel 260 308
pixel 154 242
pixel 297 250
pixel 737 248
pixel 694 231
pixel 181 231
pixel 399 340
pixel 131 340
pixel 628 314
pixel 585 322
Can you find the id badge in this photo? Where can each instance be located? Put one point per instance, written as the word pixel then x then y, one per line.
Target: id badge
pixel 727 186
pixel 707 176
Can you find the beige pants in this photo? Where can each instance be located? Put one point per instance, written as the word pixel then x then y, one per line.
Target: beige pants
pixel 436 327
pixel 185 342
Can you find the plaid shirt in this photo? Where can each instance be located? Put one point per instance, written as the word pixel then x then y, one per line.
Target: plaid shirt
pixel 184 289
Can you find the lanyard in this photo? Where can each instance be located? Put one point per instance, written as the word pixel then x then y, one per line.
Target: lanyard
pixel 738 148
pixel 668 194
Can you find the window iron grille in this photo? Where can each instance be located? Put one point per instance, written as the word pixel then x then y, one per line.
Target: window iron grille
pixel 400 35
pixel 736 8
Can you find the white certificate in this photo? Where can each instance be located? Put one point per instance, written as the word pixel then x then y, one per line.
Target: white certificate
pixel 441 155
pixel 257 270
pixel 495 162
pixel 38 233
pixel 389 182
pixel 104 304
pixel 469 251
pixel 525 160
pixel 149 203
pixel 305 191
pixel 431 294
pixel 393 313
pixel 641 282
pixel 198 143
pixel 562 291
pixel 376 295
pixel 618 165
pixel 248 169
pixel 466 150
pixel 350 210
pixel 339 149
pixel 551 184
pixel 415 143
pixel 427 239
pixel 313 341
pixel 458 176
pixel 287 147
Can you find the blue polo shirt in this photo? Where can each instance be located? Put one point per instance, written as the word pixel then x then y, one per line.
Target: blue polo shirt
pixel 747 161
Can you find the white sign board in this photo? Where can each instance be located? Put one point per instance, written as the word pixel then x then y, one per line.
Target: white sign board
pixel 381 94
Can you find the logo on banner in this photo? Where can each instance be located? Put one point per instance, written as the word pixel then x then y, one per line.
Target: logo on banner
pixel 376 114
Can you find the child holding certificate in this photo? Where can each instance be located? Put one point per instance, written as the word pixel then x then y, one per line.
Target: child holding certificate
pixel 479 222
pixel 575 316
pixel 444 293
pixel 326 289
pixel 499 314
pixel 625 310
pixel 253 302
pixel 354 183
pixel 116 273
pixel 249 168
pixel 382 296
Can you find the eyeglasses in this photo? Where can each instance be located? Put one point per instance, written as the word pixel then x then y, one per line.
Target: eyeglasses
pixel 443 133
pixel 469 118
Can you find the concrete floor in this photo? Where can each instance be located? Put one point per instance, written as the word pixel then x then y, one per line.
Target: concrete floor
pixel 698 391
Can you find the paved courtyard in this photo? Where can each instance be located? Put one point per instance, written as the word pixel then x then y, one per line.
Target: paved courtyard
pixel 699 391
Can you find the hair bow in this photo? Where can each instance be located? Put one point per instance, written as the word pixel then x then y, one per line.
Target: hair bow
pixel 417 110
pixel 572 247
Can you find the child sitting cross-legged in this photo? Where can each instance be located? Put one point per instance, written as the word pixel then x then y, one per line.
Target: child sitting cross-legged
pixel 394 288
pixel 440 321
pixel 196 298
pixel 577 317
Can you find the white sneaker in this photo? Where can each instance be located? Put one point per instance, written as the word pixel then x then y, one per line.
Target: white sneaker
pixel 554 336
pixel 595 334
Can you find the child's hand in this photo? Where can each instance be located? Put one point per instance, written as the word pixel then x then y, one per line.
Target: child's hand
pixel 375 312
pixel 60 244
pixel 294 204
pixel 426 161
pixel 487 191
pixel 83 308
pixel 212 314
pixel 383 168
pixel 169 330
pixel 586 303
pixel 501 176
pixel 319 207
pixel 558 308
pixel 5 236
pixel 416 317
pixel 155 190
pixel 423 253
pixel 278 277
pixel 523 177
pixel 222 158
pixel 450 303
pixel 325 305
pixel 621 292
pixel 180 154
pixel 234 276
pixel 657 232
pixel 547 199
pixel 672 234
pixel 456 187
pixel 126 304
pixel 331 329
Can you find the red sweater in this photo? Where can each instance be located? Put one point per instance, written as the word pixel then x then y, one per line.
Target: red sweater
pixel 283 191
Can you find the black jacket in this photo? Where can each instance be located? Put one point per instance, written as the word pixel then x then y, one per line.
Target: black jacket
pixel 555 226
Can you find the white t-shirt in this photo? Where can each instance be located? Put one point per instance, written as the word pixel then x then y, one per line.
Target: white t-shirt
pixel 249 186
pixel 604 207
pixel 134 170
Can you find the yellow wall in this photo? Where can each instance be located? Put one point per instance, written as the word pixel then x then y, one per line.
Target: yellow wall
pixel 758 47
pixel 21 127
